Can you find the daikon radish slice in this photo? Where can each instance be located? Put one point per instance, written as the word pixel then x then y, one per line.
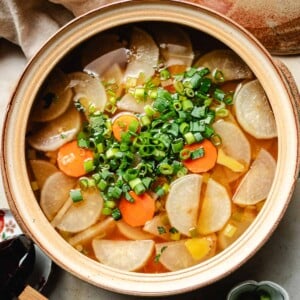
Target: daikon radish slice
pixel 216 208
pixel 234 141
pixel 257 183
pixel 88 90
pixel 42 169
pixel 57 132
pixel 159 226
pixel 123 255
pixel 82 214
pixel 175 45
pixel 100 229
pixel 54 100
pixel 226 61
pixel 179 254
pixel 133 233
pixel 254 112
pixel 144 55
pixel 129 103
pixel 183 201
pixel 55 192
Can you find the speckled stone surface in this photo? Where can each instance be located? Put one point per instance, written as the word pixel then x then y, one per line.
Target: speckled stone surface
pixel 278 260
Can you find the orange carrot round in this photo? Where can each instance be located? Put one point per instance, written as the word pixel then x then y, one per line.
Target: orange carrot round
pixel 205 163
pixel 121 124
pixel 71 158
pixel 140 211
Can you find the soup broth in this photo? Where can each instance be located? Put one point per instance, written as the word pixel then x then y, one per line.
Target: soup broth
pixel 151 147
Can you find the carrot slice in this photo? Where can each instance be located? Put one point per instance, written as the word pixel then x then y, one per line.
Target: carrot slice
pixel 140 211
pixel 71 158
pixel 205 163
pixel 121 124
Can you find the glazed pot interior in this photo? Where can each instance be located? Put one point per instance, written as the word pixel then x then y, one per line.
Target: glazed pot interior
pixel 215 28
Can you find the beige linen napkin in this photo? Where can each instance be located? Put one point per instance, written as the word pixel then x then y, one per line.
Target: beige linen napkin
pixel 29 23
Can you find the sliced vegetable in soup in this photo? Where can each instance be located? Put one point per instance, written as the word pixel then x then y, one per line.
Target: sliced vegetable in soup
pixel 154 154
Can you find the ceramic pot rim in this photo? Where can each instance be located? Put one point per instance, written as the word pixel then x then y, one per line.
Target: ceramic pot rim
pixel 26 209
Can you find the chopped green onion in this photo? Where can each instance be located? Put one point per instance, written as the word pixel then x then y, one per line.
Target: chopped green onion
pixel 89 165
pixel 116 214
pixel 218 76
pixel 106 211
pixel 189 138
pixel 164 74
pixel 177 145
pixel 110 204
pixel 187 105
pixel 165 169
pixel 76 195
pixel 184 154
pixel 197 153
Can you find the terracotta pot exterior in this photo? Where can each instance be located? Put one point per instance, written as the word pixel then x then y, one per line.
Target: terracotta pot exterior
pixel 26 209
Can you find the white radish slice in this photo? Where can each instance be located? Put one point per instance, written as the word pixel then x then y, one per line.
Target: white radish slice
pixel 226 61
pixel 175 45
pixel 57 132
pixel 254 112
pixel 234 141
pixel 42 169
pixel 183 201
pixel 133 233
pixel 67 204
pixel 102 64
pixel 157 222
pixel 54 100
pixel 55 192
pixel 175 255
pixel 216 208
pixel 123 255
pixel 235 228
pixel 100 229
pixel 88 90
pixel 106 42
pixel 129 103
pixel 144 55
pixel 83 214
pixel 257 183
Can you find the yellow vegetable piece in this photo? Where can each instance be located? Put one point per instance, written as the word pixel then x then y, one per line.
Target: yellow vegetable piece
pixel 175 236
pixel 229 162
pixel 230 230
pixel 198 247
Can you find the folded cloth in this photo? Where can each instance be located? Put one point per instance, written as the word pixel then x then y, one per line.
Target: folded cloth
pixel 30 23
pixel 79 7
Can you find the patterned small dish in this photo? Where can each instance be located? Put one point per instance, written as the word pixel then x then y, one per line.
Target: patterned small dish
pixel 43 265
pixel 270 289
pixel 8 225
